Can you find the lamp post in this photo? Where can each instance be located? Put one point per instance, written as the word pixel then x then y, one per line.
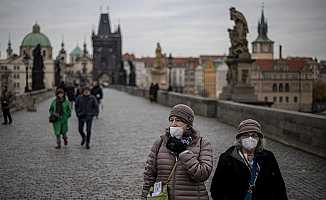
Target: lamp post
pixel 170 59
pixel 26 61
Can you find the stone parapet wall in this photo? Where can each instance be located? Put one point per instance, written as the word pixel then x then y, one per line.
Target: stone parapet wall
pixel 300 130
pixel 25 101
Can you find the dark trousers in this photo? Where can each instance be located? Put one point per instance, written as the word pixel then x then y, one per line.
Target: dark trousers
pixel 6 116
pixel 81 123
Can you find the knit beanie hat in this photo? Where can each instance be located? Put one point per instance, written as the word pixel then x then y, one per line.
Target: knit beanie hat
pixel 249 125
pixel 184 112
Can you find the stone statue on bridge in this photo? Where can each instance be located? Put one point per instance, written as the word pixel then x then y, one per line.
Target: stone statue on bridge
pixel 238 35
pixel 239 62
pixel 38 69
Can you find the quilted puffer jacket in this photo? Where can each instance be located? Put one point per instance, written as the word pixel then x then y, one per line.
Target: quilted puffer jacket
pixel 194 167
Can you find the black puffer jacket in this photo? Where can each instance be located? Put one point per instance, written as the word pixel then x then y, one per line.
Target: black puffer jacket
pixel 86 106
pixel 97 92
pixel 231 177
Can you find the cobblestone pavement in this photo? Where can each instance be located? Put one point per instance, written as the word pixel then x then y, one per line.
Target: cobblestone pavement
pixel 30 167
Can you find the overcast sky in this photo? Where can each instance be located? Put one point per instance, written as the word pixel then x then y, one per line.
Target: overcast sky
pixel 183 27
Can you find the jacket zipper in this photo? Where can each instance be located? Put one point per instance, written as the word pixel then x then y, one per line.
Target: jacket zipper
pixel 174 173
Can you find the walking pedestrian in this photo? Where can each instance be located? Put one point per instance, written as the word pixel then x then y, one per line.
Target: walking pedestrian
pixel 246 170
pixel 6 99
pixel 151 92
pixel 60 112
pixel 180 161
pixel 86 107
pixel 70 91
pixel 156 89
pixel 97 92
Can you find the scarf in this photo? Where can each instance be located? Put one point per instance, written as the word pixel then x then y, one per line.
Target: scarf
pixel 58 106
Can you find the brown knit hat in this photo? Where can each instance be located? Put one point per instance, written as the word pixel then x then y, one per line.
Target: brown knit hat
pixel 184 112
pixel 249 125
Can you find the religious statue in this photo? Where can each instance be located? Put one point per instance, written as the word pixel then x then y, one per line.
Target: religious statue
pixel 57 71
pixel 132 74
pixel 238 35
pixel 38 69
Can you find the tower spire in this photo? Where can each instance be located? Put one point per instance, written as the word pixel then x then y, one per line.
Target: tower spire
pixel 62 50
pixel 9 49
pixel 104 27
pixel 85 47
pixel 262 25
pixel 62 42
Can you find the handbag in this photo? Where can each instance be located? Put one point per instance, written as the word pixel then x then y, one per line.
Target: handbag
pixel 164 194
pixel 53 117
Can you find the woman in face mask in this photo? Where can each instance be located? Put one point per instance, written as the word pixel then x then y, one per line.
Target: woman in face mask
pixel 180 159
pixel 246 170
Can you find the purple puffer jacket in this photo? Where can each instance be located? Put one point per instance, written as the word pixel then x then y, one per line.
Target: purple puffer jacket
pixel 193 169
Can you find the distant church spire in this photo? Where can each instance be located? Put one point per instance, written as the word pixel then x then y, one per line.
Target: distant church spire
pixel 62 51
pixel 9 49
pixel 262 47
pixel 262 25
pixel 85 48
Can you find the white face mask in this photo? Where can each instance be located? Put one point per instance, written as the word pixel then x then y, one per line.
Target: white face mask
pixel 249 143
pixel 176 132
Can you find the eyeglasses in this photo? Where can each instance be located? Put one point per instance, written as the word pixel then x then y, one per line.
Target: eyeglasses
pixel 250 134
pixel 174 119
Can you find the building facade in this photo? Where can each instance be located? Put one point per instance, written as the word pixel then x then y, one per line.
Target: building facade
pixel 80 68
pixel 190 86
pixel 221 72
pixel 21 68
pixel 288 83
pixel 209 77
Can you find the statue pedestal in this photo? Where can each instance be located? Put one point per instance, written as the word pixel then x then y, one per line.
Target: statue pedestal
pixel 159 76
pixel 31 104
pixel 244 94
pixel 239 88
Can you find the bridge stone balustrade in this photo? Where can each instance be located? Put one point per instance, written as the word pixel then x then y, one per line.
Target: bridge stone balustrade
pixel 303 131
pixel 25 101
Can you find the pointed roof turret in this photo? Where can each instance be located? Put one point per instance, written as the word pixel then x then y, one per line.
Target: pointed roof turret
pixel 104 27
pixel 85 52
pixel 62 50
pixel 9 49
pixel 262 28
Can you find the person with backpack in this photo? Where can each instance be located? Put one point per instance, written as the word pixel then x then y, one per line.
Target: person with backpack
pixel 180 161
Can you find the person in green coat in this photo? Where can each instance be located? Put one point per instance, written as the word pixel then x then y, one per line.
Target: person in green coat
pixel 60 107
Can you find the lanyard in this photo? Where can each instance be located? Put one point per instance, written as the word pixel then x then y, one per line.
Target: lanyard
pixel 254 170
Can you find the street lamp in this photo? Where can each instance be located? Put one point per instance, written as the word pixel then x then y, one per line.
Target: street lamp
pixel 26 61
pixel 170 59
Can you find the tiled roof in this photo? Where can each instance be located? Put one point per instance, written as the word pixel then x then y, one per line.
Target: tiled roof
pixel 294 64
